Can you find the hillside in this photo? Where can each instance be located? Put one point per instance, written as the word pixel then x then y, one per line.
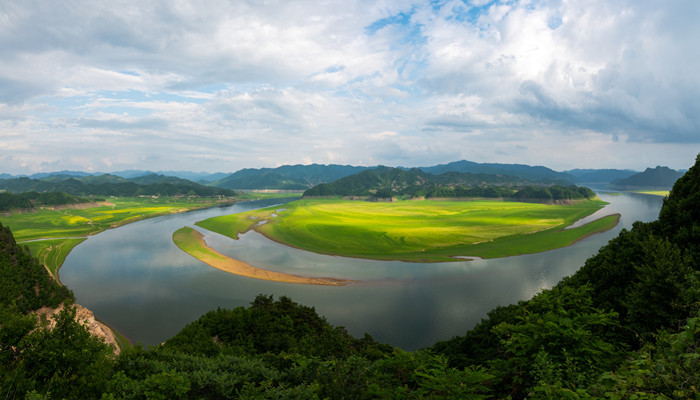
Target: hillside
pixel 599 175
pixel 536 174
pixel 286 177
pixel 624 326
pixel 386 182
pixel 658 178
pixel 295 177
pixel 29 200
pixel 112 185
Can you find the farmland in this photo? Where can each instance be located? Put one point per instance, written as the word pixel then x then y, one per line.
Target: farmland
pixel 418 231
pixel 52 232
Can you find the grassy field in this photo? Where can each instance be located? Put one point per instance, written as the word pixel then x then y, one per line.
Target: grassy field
pixel 420 231
pixel 663 193
pixel 66 228
pixel 53 252
pixel 268 195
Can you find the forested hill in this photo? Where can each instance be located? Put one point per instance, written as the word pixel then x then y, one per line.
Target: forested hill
pixel 301 177
pixel 599 175
pixel 26 285
pixel 111 185
pixel 659 177
pixel 286 177
pixel 29 200
pixel 386 182
pixel 537 174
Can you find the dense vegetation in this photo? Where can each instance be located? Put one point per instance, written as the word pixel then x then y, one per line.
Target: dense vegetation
pixel 28 200
pixel 385 182
pixel 110 185
pixel 659 177
pixel 625 326
pixel 25 284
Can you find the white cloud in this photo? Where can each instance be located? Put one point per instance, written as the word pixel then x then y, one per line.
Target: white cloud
pixel 231 85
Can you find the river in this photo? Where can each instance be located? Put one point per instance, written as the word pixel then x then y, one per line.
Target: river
pixel 134 279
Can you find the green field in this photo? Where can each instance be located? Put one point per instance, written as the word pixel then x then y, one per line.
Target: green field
pixel 268 195
pixel 419 231
pixel 68 227
pixel 663 193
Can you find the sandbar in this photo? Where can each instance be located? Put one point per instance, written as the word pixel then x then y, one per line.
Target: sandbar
pixel 192 242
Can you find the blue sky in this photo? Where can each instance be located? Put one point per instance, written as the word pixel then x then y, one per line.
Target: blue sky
pixel 220 86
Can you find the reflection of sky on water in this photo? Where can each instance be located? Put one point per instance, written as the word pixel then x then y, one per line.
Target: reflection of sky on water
pixel 135 279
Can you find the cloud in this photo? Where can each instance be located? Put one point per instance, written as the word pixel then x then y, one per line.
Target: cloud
pixel 249 84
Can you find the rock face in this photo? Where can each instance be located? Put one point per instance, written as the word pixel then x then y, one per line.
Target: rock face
pixel 85 317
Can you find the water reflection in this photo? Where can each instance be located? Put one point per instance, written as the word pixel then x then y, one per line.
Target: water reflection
pixel 136 280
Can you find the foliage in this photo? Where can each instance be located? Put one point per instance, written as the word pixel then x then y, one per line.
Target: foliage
pixel 28 200
pixel 667 369
pixel 26 285
pixel 557 338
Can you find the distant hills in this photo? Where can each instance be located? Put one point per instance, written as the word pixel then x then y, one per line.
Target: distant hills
pixel 383 183
pixel 112 185
pixel 128 174
pixel 287 177
pixel 303 177
pixel 599 175
pixel 659 177
pixel 534 174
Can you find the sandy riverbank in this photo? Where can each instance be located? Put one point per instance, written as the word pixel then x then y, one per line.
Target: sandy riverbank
pixel 192 242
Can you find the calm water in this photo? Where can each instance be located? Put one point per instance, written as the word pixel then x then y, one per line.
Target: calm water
pixel 136 280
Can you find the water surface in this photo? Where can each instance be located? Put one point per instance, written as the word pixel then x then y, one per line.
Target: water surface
pixel 137 281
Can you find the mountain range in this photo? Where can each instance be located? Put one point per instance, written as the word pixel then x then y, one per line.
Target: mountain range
pixel 383 183
pixel 303 177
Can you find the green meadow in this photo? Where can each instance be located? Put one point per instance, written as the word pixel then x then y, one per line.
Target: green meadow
pixel 663 193
pixel 68 227
pixel 418 231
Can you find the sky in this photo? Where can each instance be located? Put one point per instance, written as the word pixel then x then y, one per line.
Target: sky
pixel 218 86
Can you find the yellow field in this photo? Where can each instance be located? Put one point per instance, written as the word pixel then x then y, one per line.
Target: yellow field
pixel 67 226
pixel 414 230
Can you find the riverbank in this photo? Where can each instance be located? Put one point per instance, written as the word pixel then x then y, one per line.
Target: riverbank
pixel 63 228
pixel 192 242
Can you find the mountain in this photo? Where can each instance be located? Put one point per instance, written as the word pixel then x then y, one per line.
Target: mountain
pixel 64 174
pixel 189 175
pixel 537 174
pixel 156 178
pixel 287 177
pixel 659 177
pixel 599 175
pixel 394 180
pixel 385 182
